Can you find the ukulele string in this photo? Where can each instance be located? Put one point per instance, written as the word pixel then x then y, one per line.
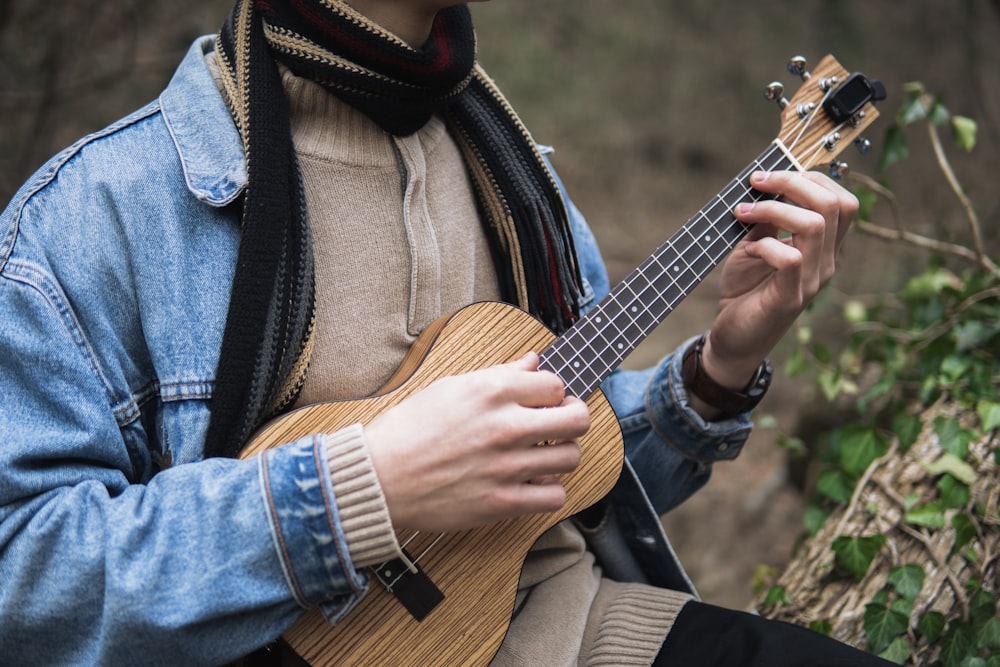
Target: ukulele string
pixel 765 161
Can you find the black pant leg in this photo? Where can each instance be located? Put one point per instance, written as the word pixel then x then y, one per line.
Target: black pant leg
pixel 705 635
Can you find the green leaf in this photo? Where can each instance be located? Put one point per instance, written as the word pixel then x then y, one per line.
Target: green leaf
pixel 964 130
pixel 893 147
pixel 815 516
pixel 988 635
pixel 882 625
pixel 953 437
pixel 821 626
pixel 776 595
pixel 953 368
pixel 907 579
pixel 956 645
pixel 907 428
pixel 982 606
pixel 912 111
pixel 929 514
pixel 965 530
pixel 954 494
pixel 855 554
pixel 973 661
pixel 989 414
pixel 859 447
pixel 930 625
pixel 938 114
pixel 835 485
pixel 954 466
pixel 898 651
pixel 797 363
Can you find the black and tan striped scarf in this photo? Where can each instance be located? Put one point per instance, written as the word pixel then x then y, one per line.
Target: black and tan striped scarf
pixel 266 342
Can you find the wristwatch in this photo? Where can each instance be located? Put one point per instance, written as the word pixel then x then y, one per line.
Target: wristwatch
pixel 730 402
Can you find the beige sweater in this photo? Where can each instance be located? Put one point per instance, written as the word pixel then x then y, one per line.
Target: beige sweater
pixel 397 244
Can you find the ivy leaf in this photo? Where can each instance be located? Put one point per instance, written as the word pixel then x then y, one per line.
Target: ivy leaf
pixel 929 514
pixel 964 130
pixel 815 516
pixel 797 363
pixel 855 554
pixel 893 147
pixel 954 466
pixel 882 625
pixel 954 494
pixel 988 635
pixel 953 438
pixel 835 485
pixel 913 110
pixel 965 530
pixel 956 645
pixel 776 595
pixel 907 580
pixel 821 626
pixel 982 606
pixel 898 651
pixel 989 414
pixel 930 625
pixel 860 446
pixel 907 428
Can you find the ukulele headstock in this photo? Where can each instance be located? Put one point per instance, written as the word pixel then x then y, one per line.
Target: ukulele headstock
pixel 828 112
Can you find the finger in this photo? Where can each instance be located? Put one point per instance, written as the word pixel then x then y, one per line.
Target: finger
pixel 847 208
pixel 787 262
pixel 526 427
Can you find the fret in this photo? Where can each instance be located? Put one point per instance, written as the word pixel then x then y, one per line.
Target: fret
pixel 593 347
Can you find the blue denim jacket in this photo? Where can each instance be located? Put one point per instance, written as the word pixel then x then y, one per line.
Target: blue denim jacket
pixel 119 542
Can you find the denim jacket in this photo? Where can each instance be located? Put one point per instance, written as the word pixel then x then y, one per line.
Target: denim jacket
pixel 119 542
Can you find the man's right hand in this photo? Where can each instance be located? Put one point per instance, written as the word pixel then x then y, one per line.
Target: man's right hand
pixel 464 451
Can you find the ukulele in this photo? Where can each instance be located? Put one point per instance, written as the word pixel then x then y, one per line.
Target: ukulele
pixel 449 599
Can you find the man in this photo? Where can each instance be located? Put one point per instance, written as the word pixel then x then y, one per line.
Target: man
pixel 312 190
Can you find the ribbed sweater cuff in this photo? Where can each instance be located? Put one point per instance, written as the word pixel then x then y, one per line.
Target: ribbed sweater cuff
pixel 364 515
pixel 635 624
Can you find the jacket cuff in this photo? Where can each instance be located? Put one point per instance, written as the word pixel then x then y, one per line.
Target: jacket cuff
pixel 364 515
pixel 304 520
pixel 678 424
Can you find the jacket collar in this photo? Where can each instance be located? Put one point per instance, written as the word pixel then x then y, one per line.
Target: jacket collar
pixel 203 131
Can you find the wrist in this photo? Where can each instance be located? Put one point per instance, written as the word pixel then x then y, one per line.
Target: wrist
pixel 713 393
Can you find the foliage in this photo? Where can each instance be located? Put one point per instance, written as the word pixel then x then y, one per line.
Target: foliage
pixel 937 339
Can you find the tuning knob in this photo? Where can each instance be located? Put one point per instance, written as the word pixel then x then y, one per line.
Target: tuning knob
pixel 863 145
pixel 775 93
pixel 797 67
pixel 839 170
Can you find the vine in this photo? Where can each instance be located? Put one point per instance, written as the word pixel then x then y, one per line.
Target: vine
pixel 903 541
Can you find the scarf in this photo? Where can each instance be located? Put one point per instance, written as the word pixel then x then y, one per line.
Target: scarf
pixel 267 336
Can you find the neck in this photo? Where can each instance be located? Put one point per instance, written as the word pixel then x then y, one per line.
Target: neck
pixel 410 20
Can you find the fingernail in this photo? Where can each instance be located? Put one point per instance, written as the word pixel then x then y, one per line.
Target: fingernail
pixel 744 208
pixel 758 177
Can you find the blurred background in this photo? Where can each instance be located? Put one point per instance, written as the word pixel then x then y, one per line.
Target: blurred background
pixel 652 106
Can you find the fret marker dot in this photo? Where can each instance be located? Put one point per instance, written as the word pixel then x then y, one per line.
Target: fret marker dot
pixel 635 309
pixel 576 364
pixel 621 346
pixel 598 320
pixel 708 237
pixel 676 268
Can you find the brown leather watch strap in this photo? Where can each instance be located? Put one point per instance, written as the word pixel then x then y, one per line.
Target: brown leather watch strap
pixel 730 402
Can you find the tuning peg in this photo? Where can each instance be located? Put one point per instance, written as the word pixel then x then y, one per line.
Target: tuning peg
pixel 863 145
pixel 839 170
pixel 797 67
pixel 775 93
